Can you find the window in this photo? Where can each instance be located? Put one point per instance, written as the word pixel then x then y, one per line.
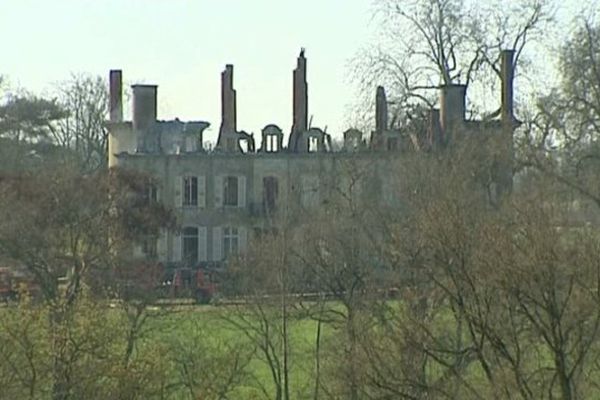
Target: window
pixel 231 241
pixel 150 246
pixel 230 191
pixel 270 192
pixel 190 245
pixel 313 144
pixel 272 143
pixel 149 194
pixel 191 144
pixel 190 191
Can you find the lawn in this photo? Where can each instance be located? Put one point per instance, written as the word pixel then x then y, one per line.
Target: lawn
pixel 211 329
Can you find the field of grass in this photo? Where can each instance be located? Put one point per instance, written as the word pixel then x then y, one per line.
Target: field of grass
pixel 197 329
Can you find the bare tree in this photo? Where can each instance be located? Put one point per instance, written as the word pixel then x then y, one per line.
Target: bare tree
pixel 56 225
pixel 424 44
pixel 83 130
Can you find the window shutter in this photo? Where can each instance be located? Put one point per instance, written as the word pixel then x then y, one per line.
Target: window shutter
pixel 161 245
pixel 202 256
pixel 178 191
pixel 217 243
pixel 242 191
pixel 243 232
pixel 218 191
pixel 177 247
pixel 201 191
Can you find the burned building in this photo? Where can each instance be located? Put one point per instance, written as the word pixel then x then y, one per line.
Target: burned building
pixel 224 196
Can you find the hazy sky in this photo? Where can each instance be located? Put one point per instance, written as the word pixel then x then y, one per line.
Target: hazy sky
pixel 182 46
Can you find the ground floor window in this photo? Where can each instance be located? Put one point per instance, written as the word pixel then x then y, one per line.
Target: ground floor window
pixel 190 245
pixel 150 246
pixel 231 240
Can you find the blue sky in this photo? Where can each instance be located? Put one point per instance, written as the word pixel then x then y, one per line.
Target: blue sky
pixel 182 46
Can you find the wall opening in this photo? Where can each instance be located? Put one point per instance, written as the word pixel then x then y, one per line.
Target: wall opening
pixel 230 191
pixel 313 144
pixel 189 249
pixel 190 191
pixel 231 239
pixel 270 193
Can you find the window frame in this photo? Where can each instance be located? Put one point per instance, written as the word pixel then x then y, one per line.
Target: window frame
pixel 270 197
pixel 149 247
pixel 230 241
pixel 231 190
pixel 189 191
pixel 190 241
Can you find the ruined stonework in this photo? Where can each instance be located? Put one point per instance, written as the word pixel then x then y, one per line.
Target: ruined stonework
pixel 222 196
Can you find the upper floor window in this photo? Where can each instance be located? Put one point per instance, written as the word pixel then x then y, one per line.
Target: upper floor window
pixel 149 194
pixel 190 191
pixel 191 144
pixel 230 191
pixel 272 143
pixel 313 144
pixel 270 193
pixel 189 248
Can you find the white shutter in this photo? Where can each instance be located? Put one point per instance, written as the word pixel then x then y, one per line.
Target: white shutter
pixel 177 191
pixel 218 191
pixel 202 256
pixel 161 245
pixel 201 191
pixel 176 247
pixel 217 243
pixel 242 191
pixel 243 232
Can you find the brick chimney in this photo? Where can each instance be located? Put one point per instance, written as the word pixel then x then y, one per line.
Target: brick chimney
pixel 116 95
pixel 381 111
pixel 452 108
pixel 507 71
pixel 144 106
pixel 300 110
pixel 228 131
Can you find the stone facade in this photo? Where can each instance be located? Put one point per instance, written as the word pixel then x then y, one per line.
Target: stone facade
pixel 226 196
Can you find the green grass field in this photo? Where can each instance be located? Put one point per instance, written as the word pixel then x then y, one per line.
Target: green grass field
pixel 209 328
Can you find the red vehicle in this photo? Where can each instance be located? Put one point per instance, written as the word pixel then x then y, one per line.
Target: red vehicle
pixel 196 283
pixel 13 281
pixel 6 287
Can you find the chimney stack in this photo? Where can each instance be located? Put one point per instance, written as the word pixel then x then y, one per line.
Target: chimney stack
pixel 116 95
pixel 507 71
pixel 144 106
pixel 381 111
pixel 300 111
pixel 228 132
pixel 452 107
pixel 435 135
pixel 228 101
